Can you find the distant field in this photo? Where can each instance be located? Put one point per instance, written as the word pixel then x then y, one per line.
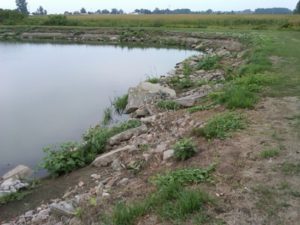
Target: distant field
pixel 180 21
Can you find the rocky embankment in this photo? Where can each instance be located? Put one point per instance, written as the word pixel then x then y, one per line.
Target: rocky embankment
pixel 146 148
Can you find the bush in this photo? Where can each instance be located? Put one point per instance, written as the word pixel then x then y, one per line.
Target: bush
pixel 120 104
pixel 199 108
pixel 11 17
pixel 64 158
pixel 184 149
pixel 168 105
pixel 181 83
pixel 70 156
pixel 221 126
pixel 208 63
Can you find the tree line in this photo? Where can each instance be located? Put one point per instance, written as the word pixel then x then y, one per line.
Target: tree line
pixel 22 8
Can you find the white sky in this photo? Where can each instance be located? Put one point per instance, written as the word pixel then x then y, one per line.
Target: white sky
pixel 59 6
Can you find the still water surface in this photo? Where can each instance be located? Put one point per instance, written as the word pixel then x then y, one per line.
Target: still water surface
pixel 52 93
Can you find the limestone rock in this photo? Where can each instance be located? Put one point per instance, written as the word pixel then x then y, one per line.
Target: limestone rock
pixel 107 158
pixel 63 208
pixel 190 100
pixel 146 92
pixel 19 172
pixel 168 154
pixel 126 135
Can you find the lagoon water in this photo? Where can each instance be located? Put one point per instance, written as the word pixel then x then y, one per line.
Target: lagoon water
pixel 52 93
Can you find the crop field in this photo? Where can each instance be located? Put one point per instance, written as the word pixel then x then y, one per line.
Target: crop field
pixel 255 22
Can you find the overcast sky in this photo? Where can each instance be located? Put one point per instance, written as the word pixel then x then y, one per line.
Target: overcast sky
pixel 58 6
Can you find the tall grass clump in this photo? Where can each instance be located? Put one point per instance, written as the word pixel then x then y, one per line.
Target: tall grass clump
pixel 153 80
pixel 168 105
pixel 120 104
pixel 221 126
pixel 184 149
pixel 59 20
pixel 209 63
pixel 107 116
pixel 172 201
pixel 242 92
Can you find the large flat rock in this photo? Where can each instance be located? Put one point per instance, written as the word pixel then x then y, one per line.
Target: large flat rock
pixel 144 93
pixel 107 158
pixel 19 172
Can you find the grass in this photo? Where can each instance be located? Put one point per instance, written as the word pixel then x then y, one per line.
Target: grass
pixel 290 168
pixel 107 116
pixel 181 83
pixel 209 63
pixel 269 153
pixel 171 201
pixel 242 92
pixel 184 176
pixel 17 196
pixel 199 108
pixel 221 126
pixel 184 149
pixel 168 105
pixel 120 104
pixel 153 80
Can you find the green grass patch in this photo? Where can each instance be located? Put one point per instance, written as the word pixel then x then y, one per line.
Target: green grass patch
pixel 184 176
pixel 269 153
pixel 221 126
pixel 199 108
pixel 209 63
pixel 242 91
pixel 181 83
pixel 17 196
pixel 168 105
pixel 172 201
pixel 184 149
pixel 290 168
pixel 120 104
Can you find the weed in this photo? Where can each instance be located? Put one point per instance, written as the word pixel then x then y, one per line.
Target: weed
pixel 187 70
pixel 17 196
pixel 70 156
pixel 208 63
pixel 221 126
pixel 199 108
pixel 236 96
pixel 143 147
pixel 186 203
pixel 153 80
pixel 168 105
pixel 65 158
pixel 107 117
pixel 184 176
pixel 269 153
pixel 184 149
pixel 290 168
pixel 181 83
pixel 120 104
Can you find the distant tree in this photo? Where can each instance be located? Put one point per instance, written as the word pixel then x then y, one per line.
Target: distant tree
pixel 105 11
pixel 22 6
pixel 272 11
pixel 297 10
pixel 209 11
pixel 40 11
pixel 82 11
pixel 98 11
pixel 114 11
